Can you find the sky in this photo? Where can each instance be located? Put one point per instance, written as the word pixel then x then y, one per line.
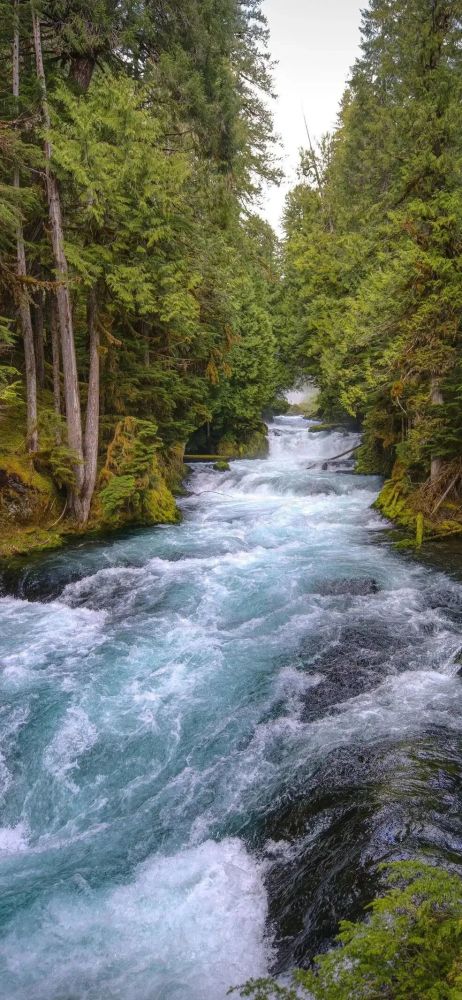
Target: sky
pixel 314 43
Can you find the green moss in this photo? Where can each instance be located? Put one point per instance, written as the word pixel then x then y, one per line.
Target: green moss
pixel 393 502
pixel 29 501
pixel 397 502
pixel 253 444
pixel 419 529
pixel 161 506
pixel 171 466
pixel 132 487
pixel 135 486
pixel 221 466
pixel 372 458
pixel 26 540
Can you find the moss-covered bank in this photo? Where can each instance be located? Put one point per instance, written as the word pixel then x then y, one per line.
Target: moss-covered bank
pixel 138 481
pixel 410 508
pixel 136 486
pixel 423 508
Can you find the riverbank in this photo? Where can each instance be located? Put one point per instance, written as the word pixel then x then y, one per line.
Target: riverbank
pixel 139 481
pixel 33 511
pixel 137 484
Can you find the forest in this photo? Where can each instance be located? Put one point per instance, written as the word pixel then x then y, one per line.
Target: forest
pixel 151 317
pixel 145 304
pixel 372 285
pixel 136 280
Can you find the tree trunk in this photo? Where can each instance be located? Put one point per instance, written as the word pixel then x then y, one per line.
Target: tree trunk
pixel 437 400
pixel 81 71
pixel 38 326
pixel 92 416
pixel 56 362
pixel 63 301
pixel 21 270
pixel 144 328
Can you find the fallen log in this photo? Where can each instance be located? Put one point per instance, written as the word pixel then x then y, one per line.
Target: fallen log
pixel 327 461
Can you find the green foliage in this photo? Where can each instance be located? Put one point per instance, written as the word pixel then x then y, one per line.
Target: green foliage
pixel 10 385
pixel 371 299
pixel 117 495
pixel 54 456
pixel 409 947
pixel 160 136
pixel 132 486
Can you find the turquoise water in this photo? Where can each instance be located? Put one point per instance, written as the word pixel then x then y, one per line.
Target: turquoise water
pixel 208 730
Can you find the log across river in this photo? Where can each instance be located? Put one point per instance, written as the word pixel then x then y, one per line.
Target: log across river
pixel 211 733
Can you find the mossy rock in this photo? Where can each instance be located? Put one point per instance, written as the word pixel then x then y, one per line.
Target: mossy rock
pixel 29 508
pixel 221 466
pixel 29 501
pixel 396 501
pixel 171 466
pixel 132 486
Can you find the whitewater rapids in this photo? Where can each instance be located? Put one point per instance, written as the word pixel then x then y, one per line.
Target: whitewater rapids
pixel 211 732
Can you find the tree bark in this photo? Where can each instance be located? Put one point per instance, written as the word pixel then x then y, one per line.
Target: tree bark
pixel 436 463
pixel 56 362
pixel 63 300
pixel 38 326
pixel 21 270
pixel 81 71
pixel 92 415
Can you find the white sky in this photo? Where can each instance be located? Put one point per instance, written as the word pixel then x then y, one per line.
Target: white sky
pixel 314 42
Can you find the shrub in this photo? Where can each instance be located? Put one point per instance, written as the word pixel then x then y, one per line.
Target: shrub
pixel 408 948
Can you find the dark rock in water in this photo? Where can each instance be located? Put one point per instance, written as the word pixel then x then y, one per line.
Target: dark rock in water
pixel 360 806
pixel 357 587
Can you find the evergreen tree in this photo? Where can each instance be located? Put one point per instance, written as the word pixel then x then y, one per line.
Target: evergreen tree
pixel 128 162
pixel 372 282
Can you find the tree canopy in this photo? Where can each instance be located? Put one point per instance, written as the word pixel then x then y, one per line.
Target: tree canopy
pixel 372 290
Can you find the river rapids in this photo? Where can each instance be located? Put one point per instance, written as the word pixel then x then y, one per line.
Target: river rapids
pixel 211 733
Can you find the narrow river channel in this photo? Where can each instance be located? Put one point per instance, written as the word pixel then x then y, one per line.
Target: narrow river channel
pixel 210 734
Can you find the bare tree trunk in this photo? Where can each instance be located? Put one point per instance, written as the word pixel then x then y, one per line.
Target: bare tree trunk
pixel 437 400
pixel 92 415
pixel 63 301
pixel 38 326
pixel 21 269
pixel 56 362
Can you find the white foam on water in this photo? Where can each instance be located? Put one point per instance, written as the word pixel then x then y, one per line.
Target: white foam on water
pixel 165 707
pixel 75 738
pixel 188 927
pixel 39 639
pixel 13 839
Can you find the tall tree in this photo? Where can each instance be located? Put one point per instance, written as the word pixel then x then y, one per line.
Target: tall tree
pixel 22 294
pixel 63 299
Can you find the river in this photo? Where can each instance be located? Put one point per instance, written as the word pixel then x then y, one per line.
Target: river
pixel 211 733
